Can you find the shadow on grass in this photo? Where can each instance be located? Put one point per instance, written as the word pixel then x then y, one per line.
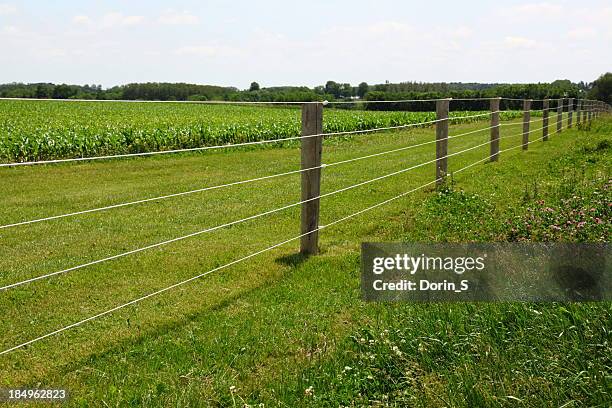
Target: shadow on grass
pixel 120 346
pixel 293 260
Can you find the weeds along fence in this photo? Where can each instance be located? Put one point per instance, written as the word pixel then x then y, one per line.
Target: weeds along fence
pixel 311 139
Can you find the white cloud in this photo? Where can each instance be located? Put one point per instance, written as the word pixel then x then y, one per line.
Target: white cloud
pixel 200 50
pixel 389 27
pixel 207 51
pixel 54 52
pixel 538 9
pixel 119 19
pixel 10 30
pixel 462 32
pixel 520 42
pixel 6 8
pixel 81 20
pixel 582 33
pixel 108 20
pixel 172 17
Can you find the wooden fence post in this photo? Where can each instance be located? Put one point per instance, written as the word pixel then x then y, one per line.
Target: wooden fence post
pixel 585 107
pixel 311 150
pixel 526 120
pixel 494 105
pixel 578 112
pixel 559 115
pixel 570 111
pixel 442 107
pixel 545 105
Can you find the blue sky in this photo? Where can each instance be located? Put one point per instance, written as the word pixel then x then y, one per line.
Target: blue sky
pixel 298 43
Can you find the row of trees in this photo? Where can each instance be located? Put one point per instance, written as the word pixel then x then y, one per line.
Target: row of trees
pixel 600 89
pixel 47 90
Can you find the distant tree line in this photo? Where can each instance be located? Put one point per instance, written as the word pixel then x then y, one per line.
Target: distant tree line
pixel 332 91
pixel 601 89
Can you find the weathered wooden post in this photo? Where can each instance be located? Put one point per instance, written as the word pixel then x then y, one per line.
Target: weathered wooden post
pixel 545 105
pixel 494 151
pixel 570 111
pixel 559 115
pixel 526 120
pixel 311 149
pixel 578 112
pixel 442 107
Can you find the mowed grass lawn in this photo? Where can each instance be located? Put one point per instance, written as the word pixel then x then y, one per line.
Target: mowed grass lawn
pixel 268 329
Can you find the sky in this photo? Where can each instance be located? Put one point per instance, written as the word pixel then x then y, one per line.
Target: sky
pixel 280 42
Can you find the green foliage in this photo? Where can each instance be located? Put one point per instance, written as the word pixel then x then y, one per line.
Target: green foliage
pixel 339 90
pixel 36 130
pixel 580 218
pixel 254 87
pixel 454 215
pixel 172 92
pixel 578 209
pixel 362 89
pixel 392 92
pixel 331 91
pixel 602 88
pixel 465 355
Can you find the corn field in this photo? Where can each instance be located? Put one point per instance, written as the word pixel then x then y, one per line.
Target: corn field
pixel 41 130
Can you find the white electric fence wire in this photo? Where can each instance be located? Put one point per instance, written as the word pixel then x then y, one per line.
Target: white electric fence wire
pixel 250 180
pixel 124 305
pixel 475 116
pixel 125 204
pixel 279 102
pixel 539 119
pixel 533 141
pixel 170 102
pixel 356 101
pixel 109 311
pixel 117 156
pixel 259 142
pixel 540 100
pixel 252 217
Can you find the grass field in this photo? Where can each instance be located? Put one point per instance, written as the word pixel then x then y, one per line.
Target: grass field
pixel 281 330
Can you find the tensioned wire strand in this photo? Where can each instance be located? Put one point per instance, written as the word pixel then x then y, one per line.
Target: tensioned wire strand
pixel 140 299
pixel 166 102
pixel 325 102
pixel 252 217
pixel 259 142
pixel 539 119
pixel 159 198
pixel 122 306
pixel 249 180
pixel 125 204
